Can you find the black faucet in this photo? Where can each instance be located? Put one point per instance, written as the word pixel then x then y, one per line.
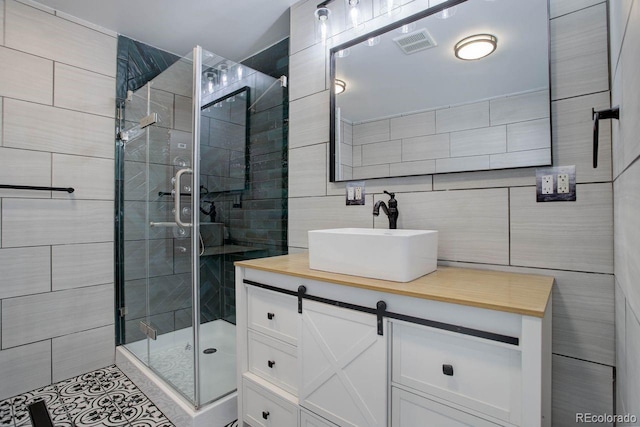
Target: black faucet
pixel 391 211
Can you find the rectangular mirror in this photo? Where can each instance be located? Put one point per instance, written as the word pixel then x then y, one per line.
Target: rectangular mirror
pixel 412 106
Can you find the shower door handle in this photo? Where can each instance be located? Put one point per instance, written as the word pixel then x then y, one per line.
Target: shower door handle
pixel 176 195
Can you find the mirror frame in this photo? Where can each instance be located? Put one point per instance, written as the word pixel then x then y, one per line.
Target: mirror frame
pixel 385 29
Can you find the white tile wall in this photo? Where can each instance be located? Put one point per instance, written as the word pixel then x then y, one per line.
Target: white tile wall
pixel 457 164
pixel 413 168
pixel 530 135
pixel 44 222
pixel 308 123
pixel 31 78
pixel 473 225
pixel 57 92
pixel 625 38
pixel 579 47
pixel 573 137
pixel 75 354
pixel 307 72
pixel 553 235
pixel 367 133
pixel 413 125
pixel 38 317
pixel 520 159
pixel 85 91
pixel 1 22
pixel 519 108
pixel 307 171
pixel 465 117
pixel 580 386
pixel 425 147
pixel 382 152
pixel 33 31
pixel 25 271
pixel 313 213
pixel 20 167
pixel 75 266
pixel 38 127
pixel 25 368
pixel 477 142
pixel 92 178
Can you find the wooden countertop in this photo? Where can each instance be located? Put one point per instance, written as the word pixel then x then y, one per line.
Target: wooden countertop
pixel 525 294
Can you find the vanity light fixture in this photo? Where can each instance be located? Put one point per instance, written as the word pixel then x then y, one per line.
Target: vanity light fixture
pixel 354 15
pixel 448 13
pixel 322 15
pixel 339 86
pixel 343 53
pixel 475 47
pixel 372 41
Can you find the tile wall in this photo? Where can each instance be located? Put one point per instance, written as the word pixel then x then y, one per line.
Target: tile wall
pixel 624 19
pixel 490 219
pixel 57 97
pixel 508 131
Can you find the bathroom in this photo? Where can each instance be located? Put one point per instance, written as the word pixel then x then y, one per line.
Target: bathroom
pixel 59 251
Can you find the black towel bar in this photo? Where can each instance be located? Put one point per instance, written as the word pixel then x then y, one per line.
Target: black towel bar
pixel 31 187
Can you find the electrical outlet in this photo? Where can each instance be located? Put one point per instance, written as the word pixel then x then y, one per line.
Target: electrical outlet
pixel 547 184
pixel 563 183
pixel 358 193
pixel 556 184
pixel 355 193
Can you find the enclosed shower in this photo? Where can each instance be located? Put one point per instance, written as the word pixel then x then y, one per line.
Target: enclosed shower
pixel 201 182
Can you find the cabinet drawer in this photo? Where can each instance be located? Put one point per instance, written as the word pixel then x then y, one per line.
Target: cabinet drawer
pixel 273 314
pixel 274 361
pixel 409 410
pixel 479 374
pixel 264 409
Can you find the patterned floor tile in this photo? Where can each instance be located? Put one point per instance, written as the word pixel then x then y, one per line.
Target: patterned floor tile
pixel 6 413
pixel 51 398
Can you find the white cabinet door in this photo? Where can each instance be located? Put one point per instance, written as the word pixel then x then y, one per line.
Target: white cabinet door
pixel 343 365
pixel 410 410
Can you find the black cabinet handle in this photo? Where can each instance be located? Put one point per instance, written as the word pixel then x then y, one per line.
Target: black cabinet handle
pixel 447 370
pixel 271 363
pixel 270 316
pixel 265 414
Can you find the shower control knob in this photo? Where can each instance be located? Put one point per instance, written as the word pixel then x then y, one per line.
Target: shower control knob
pixel 270 316
pixel 265 415
pixel 271 363
pixel 447 370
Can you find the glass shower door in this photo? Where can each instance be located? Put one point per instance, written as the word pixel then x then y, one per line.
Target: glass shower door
pixel 157 253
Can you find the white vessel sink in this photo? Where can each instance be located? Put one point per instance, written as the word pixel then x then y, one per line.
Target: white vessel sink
pixel 397 255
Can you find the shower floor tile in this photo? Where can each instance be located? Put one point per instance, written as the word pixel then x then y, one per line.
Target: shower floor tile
pixel 105 397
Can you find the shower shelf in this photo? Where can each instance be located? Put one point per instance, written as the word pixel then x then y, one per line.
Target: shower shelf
pixel 31 187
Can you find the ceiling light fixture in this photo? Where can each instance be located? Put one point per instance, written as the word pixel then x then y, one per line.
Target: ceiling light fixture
pixel 448 13
pixel 372 41
pixel 475 47
pixel 343 53
pixel 339 86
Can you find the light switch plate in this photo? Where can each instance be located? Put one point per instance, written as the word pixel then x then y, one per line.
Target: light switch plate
pixel 556 184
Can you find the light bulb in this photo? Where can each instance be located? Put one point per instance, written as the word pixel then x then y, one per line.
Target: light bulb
pixel 322 23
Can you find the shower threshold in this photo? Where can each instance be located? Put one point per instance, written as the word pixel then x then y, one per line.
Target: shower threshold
pixel 171 358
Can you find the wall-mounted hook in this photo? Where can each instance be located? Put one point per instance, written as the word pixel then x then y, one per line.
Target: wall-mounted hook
pixel 609 113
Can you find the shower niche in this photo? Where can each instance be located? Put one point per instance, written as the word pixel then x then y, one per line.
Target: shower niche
pixel 200 183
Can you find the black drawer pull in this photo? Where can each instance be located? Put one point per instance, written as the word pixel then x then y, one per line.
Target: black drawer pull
pixel 270 316
pixel 447 370
pixel 271 363
pixel 265 415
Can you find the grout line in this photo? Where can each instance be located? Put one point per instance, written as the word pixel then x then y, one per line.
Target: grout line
pixel 583 360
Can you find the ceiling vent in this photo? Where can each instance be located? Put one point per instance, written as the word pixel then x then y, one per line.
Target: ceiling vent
pixel 415 42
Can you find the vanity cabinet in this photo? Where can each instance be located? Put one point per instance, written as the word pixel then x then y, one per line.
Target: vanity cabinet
pixel 318 349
